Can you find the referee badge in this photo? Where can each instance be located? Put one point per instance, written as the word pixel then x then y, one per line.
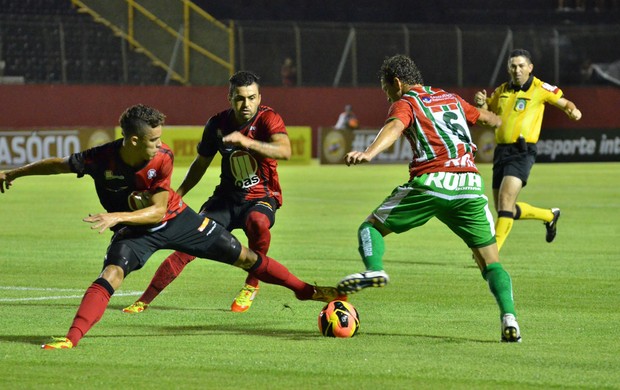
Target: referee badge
pixel 520 104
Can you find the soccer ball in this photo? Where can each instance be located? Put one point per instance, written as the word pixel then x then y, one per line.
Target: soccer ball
pixel 339 319
pixel 138 200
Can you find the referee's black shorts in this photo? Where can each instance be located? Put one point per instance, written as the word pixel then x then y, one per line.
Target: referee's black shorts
pixel 513 160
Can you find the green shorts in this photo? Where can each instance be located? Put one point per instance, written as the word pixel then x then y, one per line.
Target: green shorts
pixel 456 199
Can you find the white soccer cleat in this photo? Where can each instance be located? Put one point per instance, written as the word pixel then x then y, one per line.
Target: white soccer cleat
pixel 510 329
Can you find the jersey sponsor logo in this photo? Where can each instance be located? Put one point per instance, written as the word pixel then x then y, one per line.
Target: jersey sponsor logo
pixel 451 181
pixel 151 173
pixel 243 167
pixel 464 161
pixel 520 104
pixel 109 175
pixel 439 97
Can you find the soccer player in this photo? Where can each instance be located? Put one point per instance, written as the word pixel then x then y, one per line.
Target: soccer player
pixel 134 171
pixel 250 138
pixel 520 103
pixel 444 182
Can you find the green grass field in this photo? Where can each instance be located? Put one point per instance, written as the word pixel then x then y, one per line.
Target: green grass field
pixel 435 325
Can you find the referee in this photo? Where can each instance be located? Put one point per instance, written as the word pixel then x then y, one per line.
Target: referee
pixel 520 103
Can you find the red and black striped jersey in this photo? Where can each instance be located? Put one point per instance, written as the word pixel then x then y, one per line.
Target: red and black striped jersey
pixel 436 126
pixel 245 175
pixel 115 181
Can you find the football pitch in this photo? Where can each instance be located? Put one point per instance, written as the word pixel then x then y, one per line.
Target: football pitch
pixel 436 325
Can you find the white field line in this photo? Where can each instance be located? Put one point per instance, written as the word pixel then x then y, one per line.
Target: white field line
pixel 56 290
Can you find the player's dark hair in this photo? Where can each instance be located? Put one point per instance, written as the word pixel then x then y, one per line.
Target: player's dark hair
pixel 242 78
pixel 402 67
pixel 137 119
pixel 521 53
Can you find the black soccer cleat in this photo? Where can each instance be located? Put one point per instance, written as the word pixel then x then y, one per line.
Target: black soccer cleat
pixel 552 227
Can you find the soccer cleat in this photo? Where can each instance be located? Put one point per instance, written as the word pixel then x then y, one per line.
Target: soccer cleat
pixel 58 343
pixel 136 307
pixel 510 329
pixel 552 227
pixel 327 294
pixel 244 299
pixel 355 282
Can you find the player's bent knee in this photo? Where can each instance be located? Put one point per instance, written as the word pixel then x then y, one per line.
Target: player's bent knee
pixel 114 275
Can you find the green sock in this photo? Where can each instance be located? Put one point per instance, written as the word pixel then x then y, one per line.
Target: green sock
pixel 371 246
pixel 501 287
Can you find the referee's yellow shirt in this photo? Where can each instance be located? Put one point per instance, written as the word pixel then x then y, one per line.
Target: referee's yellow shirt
pixel 521 110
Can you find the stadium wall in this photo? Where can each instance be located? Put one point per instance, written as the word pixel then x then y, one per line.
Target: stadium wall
pixel 61 106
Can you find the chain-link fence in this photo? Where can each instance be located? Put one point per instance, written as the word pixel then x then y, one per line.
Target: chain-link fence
pixel 350 54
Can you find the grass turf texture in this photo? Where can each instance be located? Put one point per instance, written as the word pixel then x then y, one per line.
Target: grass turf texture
pixel 435 325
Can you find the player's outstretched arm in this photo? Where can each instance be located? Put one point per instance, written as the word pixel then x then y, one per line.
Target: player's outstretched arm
pixel 386 138
pixel 487 118
pixel 48 166
pixel 569 108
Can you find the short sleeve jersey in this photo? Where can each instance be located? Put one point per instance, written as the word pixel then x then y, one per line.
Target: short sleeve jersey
pixel 436 126
pixel 245 175
pixel 115 181
pixel 521 110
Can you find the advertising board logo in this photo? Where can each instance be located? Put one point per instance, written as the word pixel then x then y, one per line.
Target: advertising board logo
pixel 334 145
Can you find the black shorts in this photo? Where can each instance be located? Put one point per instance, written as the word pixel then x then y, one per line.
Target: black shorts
pixel 512 160
pixel 232 214
pixel 188 232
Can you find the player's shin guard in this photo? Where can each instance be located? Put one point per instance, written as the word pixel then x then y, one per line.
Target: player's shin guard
pixel 505 220
pixel 371 246
pixel 500 285
pixel 92 307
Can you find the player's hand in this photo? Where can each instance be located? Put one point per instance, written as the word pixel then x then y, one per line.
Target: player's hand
pixel 574 114
pixel 5 182
pixel 356 157
pixel 480 98
pixel 102 221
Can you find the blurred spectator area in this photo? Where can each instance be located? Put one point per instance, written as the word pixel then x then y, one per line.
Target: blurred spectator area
pixel 48 41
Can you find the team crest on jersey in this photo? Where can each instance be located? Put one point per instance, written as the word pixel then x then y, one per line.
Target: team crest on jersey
pixel 520 104
pixel 151 173
pixel 426 99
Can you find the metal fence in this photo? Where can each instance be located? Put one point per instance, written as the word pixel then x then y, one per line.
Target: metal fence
pixel 73 49
pixel 351 54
